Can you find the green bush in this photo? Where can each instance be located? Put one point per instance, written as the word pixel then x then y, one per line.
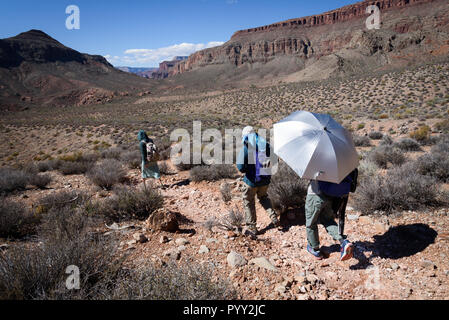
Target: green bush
pixel 421 134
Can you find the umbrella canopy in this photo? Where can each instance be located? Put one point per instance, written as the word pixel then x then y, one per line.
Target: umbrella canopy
pixel 315 146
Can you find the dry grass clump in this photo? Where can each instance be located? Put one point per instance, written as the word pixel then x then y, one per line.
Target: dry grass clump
pixel 233 221
pixel 226 192
pixel 421 134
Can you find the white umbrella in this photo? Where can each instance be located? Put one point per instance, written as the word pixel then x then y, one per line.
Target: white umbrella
pixel 315 146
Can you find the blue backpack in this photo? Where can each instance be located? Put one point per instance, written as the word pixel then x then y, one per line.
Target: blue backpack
pixel 262 165
pixel 262 161
pixel 349 184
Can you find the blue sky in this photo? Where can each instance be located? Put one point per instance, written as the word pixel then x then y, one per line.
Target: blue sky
pixel 145 32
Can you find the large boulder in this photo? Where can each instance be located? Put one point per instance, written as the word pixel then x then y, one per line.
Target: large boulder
pixel 163 220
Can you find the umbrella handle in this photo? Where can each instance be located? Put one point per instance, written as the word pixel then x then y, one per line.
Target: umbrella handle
pixel 317 175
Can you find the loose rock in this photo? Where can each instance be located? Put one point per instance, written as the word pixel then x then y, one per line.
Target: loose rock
pixel 235 260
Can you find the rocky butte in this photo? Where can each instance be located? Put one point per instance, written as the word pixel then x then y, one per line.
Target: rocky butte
pixel 333 43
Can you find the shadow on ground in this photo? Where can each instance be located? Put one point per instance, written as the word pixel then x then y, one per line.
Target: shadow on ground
pixel 398 242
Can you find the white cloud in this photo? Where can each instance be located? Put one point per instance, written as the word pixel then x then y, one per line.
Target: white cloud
pixel 152 57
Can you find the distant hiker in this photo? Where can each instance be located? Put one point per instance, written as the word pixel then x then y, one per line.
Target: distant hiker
pixel 322 202
pixel 256 178
pixel 150 156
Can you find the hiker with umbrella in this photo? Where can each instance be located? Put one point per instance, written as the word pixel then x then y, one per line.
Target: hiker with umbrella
pixel 318 148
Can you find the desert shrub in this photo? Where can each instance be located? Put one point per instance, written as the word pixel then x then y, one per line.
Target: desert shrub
pixel 434 165
pixel 408 144
pixel 213 172
pixel 401 189
pixel 165 154
pixel 226 193
pixel 421 134
pixel 287 189
pixel 375 135
pixel 107 173
pixel 90 157
pixel 442 146
pixel 132 159
pixel 163 167
pixel 40 180
pixel 69 167
pixel 385 154
pixel 172 282
pixel 59 200
pixel 234 220
pixel 39 272
pixel 112 153
pixel 442 126
pixel 361 141
pixel 48 165
pixel 127 203
pixel 15 220
pixel 12 180
pixel 74 157
pixel 386 140
pixel 368 168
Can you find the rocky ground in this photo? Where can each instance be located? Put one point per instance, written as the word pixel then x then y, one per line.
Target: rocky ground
pixel 402 256
pixel 396 257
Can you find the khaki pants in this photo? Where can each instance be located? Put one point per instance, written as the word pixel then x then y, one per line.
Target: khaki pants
pixel 319 210
pixel 249 204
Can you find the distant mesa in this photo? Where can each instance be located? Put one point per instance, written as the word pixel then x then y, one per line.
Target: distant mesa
pixel 166 69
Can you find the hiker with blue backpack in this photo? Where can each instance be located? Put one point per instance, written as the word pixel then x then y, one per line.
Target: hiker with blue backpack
pixel 150 156
pixel 324 200
pixel 254 162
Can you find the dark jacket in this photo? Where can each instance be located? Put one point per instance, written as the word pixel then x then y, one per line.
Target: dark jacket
pixel 143 140
pixel 243 165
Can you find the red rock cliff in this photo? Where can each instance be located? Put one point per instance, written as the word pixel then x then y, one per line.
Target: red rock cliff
pixel 318 35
